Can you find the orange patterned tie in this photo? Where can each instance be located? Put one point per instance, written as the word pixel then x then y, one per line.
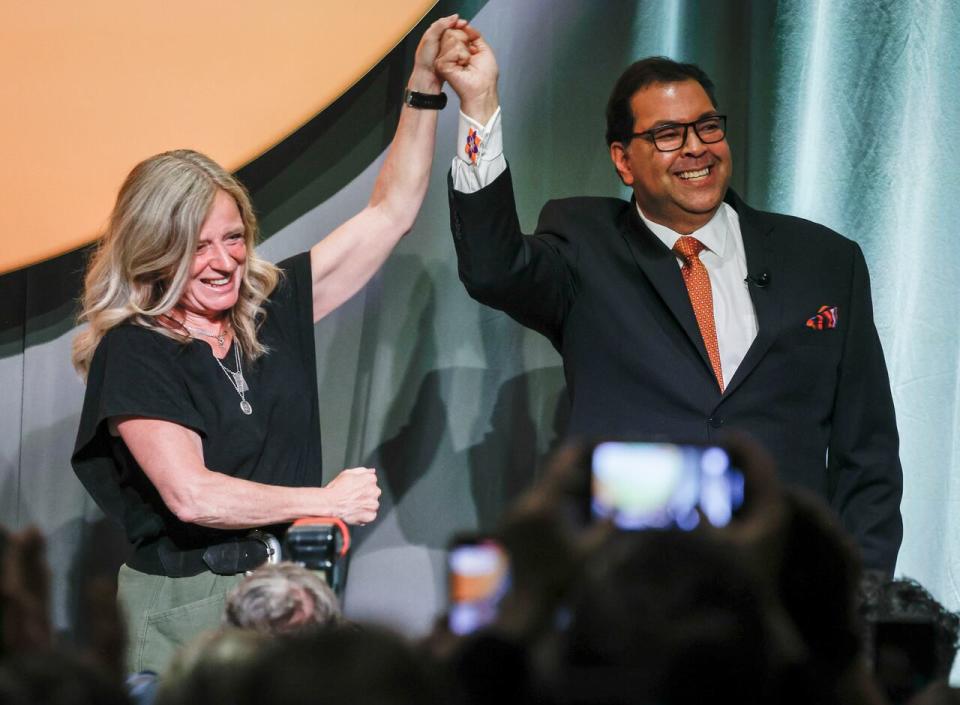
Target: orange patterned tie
pixel 697 279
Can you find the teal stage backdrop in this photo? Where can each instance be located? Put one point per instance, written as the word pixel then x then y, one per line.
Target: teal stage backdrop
pixel 841 111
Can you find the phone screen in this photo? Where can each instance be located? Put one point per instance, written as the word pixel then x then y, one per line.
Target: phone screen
pixel 663 485
pixel 479 577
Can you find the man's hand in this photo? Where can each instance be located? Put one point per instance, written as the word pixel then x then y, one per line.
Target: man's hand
pixel 424 77
pixel 355 495
pixel 466 62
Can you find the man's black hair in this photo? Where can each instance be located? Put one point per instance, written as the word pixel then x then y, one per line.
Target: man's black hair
pixel 640 74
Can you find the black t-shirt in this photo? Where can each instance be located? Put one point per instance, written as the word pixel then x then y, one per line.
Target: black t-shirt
pixel 138 372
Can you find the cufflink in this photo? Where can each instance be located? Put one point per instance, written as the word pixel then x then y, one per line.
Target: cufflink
pixel 472 146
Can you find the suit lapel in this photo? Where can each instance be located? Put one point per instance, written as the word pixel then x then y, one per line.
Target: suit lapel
pixel 767 300
pixel 661 268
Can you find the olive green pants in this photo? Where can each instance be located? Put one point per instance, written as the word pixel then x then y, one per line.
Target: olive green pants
pixel 162 613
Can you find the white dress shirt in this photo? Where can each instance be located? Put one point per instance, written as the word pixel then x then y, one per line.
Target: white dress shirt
pixel 726 263
pixel 723 256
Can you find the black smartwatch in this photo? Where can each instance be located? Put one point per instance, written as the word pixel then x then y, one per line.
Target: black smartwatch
pixel 424 101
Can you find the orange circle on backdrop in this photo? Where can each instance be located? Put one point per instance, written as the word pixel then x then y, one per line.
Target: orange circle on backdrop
pixel 92 88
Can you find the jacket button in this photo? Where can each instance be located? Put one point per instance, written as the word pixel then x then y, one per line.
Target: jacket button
pixel 715 421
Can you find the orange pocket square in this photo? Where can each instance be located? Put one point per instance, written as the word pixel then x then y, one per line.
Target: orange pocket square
pixel 826 318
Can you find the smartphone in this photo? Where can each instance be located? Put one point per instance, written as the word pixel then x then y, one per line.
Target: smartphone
pixel 663 485
pixel 478 578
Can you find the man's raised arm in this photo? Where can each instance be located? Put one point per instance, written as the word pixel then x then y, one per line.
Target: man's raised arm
pixel 526 277
pixel 467 63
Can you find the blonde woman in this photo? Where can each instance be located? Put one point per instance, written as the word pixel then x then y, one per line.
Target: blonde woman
pixel 201 421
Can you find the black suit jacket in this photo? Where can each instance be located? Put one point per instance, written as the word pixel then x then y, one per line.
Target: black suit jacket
pixel 610 297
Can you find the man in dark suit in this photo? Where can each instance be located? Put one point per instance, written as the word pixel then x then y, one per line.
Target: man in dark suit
pixel 685 312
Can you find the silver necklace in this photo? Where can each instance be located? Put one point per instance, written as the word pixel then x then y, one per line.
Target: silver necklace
pixel 236 378
pixel 219 337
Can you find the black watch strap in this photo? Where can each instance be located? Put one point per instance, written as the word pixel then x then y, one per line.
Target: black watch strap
pixel 424 101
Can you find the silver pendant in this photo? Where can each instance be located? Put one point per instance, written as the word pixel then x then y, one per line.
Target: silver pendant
pixel 239 382
pixel 245 407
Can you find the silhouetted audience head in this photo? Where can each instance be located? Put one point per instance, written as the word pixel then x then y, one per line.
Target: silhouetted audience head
pixel 905 601
pixel 210 669
pixel 367 666
pixel 664 617
pixel 282 598
pixel 57 677
pixel 549 533
pixel 33 668
pixel 816 586
pixel 24 593
pixel 912 639
pixel 818 581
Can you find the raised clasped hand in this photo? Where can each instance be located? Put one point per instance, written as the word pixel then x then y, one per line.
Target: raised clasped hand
pixel 424 76
pixel 467 63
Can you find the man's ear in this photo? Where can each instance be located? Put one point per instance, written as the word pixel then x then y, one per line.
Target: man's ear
pixel 621 162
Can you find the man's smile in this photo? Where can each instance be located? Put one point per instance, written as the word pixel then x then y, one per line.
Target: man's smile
pixel 694 174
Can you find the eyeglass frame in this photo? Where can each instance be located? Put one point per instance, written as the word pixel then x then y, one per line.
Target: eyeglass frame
pixel 651 137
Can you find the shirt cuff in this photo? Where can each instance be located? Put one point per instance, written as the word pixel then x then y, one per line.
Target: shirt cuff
pixel 479 159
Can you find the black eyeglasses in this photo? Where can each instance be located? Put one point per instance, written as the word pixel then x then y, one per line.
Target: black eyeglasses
pixel 670 138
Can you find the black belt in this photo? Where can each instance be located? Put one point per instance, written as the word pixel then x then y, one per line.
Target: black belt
pixel 238 554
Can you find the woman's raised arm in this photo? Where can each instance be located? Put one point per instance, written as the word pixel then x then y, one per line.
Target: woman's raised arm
pixel 346 259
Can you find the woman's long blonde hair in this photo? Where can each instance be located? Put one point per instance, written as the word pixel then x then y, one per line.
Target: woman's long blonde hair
pixel 142 264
